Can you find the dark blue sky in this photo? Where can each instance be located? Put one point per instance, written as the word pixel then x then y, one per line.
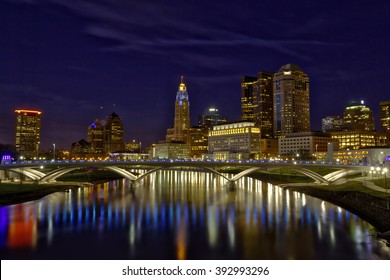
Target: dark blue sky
pixel 70 58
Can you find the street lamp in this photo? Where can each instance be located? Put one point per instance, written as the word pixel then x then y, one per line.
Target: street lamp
pixel 54 151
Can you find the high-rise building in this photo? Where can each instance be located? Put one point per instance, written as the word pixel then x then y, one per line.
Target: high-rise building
pixel 264 105
pixel 358 117
pixel 113 134
pixel 291 100
pixel 332 123
pixel 248 87
pixel 257 101
pixel 27 133
pixel 181 126
pixel 96 136
pixel 384 114
pixel 210 118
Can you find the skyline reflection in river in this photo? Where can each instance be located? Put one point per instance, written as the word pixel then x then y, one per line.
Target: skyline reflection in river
pixel 183 215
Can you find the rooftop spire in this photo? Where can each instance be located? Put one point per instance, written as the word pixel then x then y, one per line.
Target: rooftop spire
pixel 182 86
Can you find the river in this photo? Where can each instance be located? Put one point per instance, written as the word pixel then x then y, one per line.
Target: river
pixel 184 215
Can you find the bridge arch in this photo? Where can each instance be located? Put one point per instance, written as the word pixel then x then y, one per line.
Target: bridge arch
pixel 316 177
pixel 53 175
pixel 28 172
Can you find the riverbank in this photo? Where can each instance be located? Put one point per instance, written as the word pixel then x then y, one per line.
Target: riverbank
pixel 13 193
pixel 370 208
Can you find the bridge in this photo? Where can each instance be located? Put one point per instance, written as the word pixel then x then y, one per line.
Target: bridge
pixel 32 169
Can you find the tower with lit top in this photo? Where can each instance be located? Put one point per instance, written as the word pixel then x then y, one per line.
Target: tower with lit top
pixel 181 126
pixel 291 101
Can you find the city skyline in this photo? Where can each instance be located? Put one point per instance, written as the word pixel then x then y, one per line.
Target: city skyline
pixel 75 61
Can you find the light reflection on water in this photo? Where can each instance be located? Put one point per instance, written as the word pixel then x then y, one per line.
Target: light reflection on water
pixel 183 215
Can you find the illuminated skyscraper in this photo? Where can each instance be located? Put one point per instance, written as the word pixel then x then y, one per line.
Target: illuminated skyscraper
pixel 384 114
pixel 358 117
pixel 211 118
pixel 28 133
pixel 248 87
pixel 181 126
pixel 96 136
pixel 263 109
pixel 113 134
pixel 291 100
pixel 257 101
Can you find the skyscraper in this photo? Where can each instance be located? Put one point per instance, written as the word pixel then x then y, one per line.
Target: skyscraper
pixel 291 100
pixel 28 133
pixel 96 136
pixel 358 117
pixel 181 126
pixel 263 104
pixel 210 118
pixel 248 87
pixel 257 101
pixel 384 114
pixel 113 134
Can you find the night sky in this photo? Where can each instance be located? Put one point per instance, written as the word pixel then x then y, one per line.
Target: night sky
pixel 80 60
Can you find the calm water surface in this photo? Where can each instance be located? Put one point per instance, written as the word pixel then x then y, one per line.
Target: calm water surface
pixel 184 215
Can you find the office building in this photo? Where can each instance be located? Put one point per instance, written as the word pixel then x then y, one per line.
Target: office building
pixel 379 155
pixel 304 145
pixel 27 133
pixel 354 140
pixel 384 115
pixel 291 101
pixel 210 118
pixel 239 140
pixel 133 146
pixel 332 123
pixel 181 126
pixel 358 117
pixel 113 134
pixel 198 141
pixel 248 87
pixel 172 150
pixel 95 136
pixel 269 148
pixel 257 101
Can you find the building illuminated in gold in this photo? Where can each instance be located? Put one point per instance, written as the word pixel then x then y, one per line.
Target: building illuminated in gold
pixel 28 133
pixel 358 117
pixel 366 155
pixel 291 100
pixel 354 140
pixel 113 134
pixel 239 140
pixel 384 114
pixel 248 88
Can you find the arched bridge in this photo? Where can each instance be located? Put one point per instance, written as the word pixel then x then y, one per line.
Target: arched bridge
pixel 58 168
